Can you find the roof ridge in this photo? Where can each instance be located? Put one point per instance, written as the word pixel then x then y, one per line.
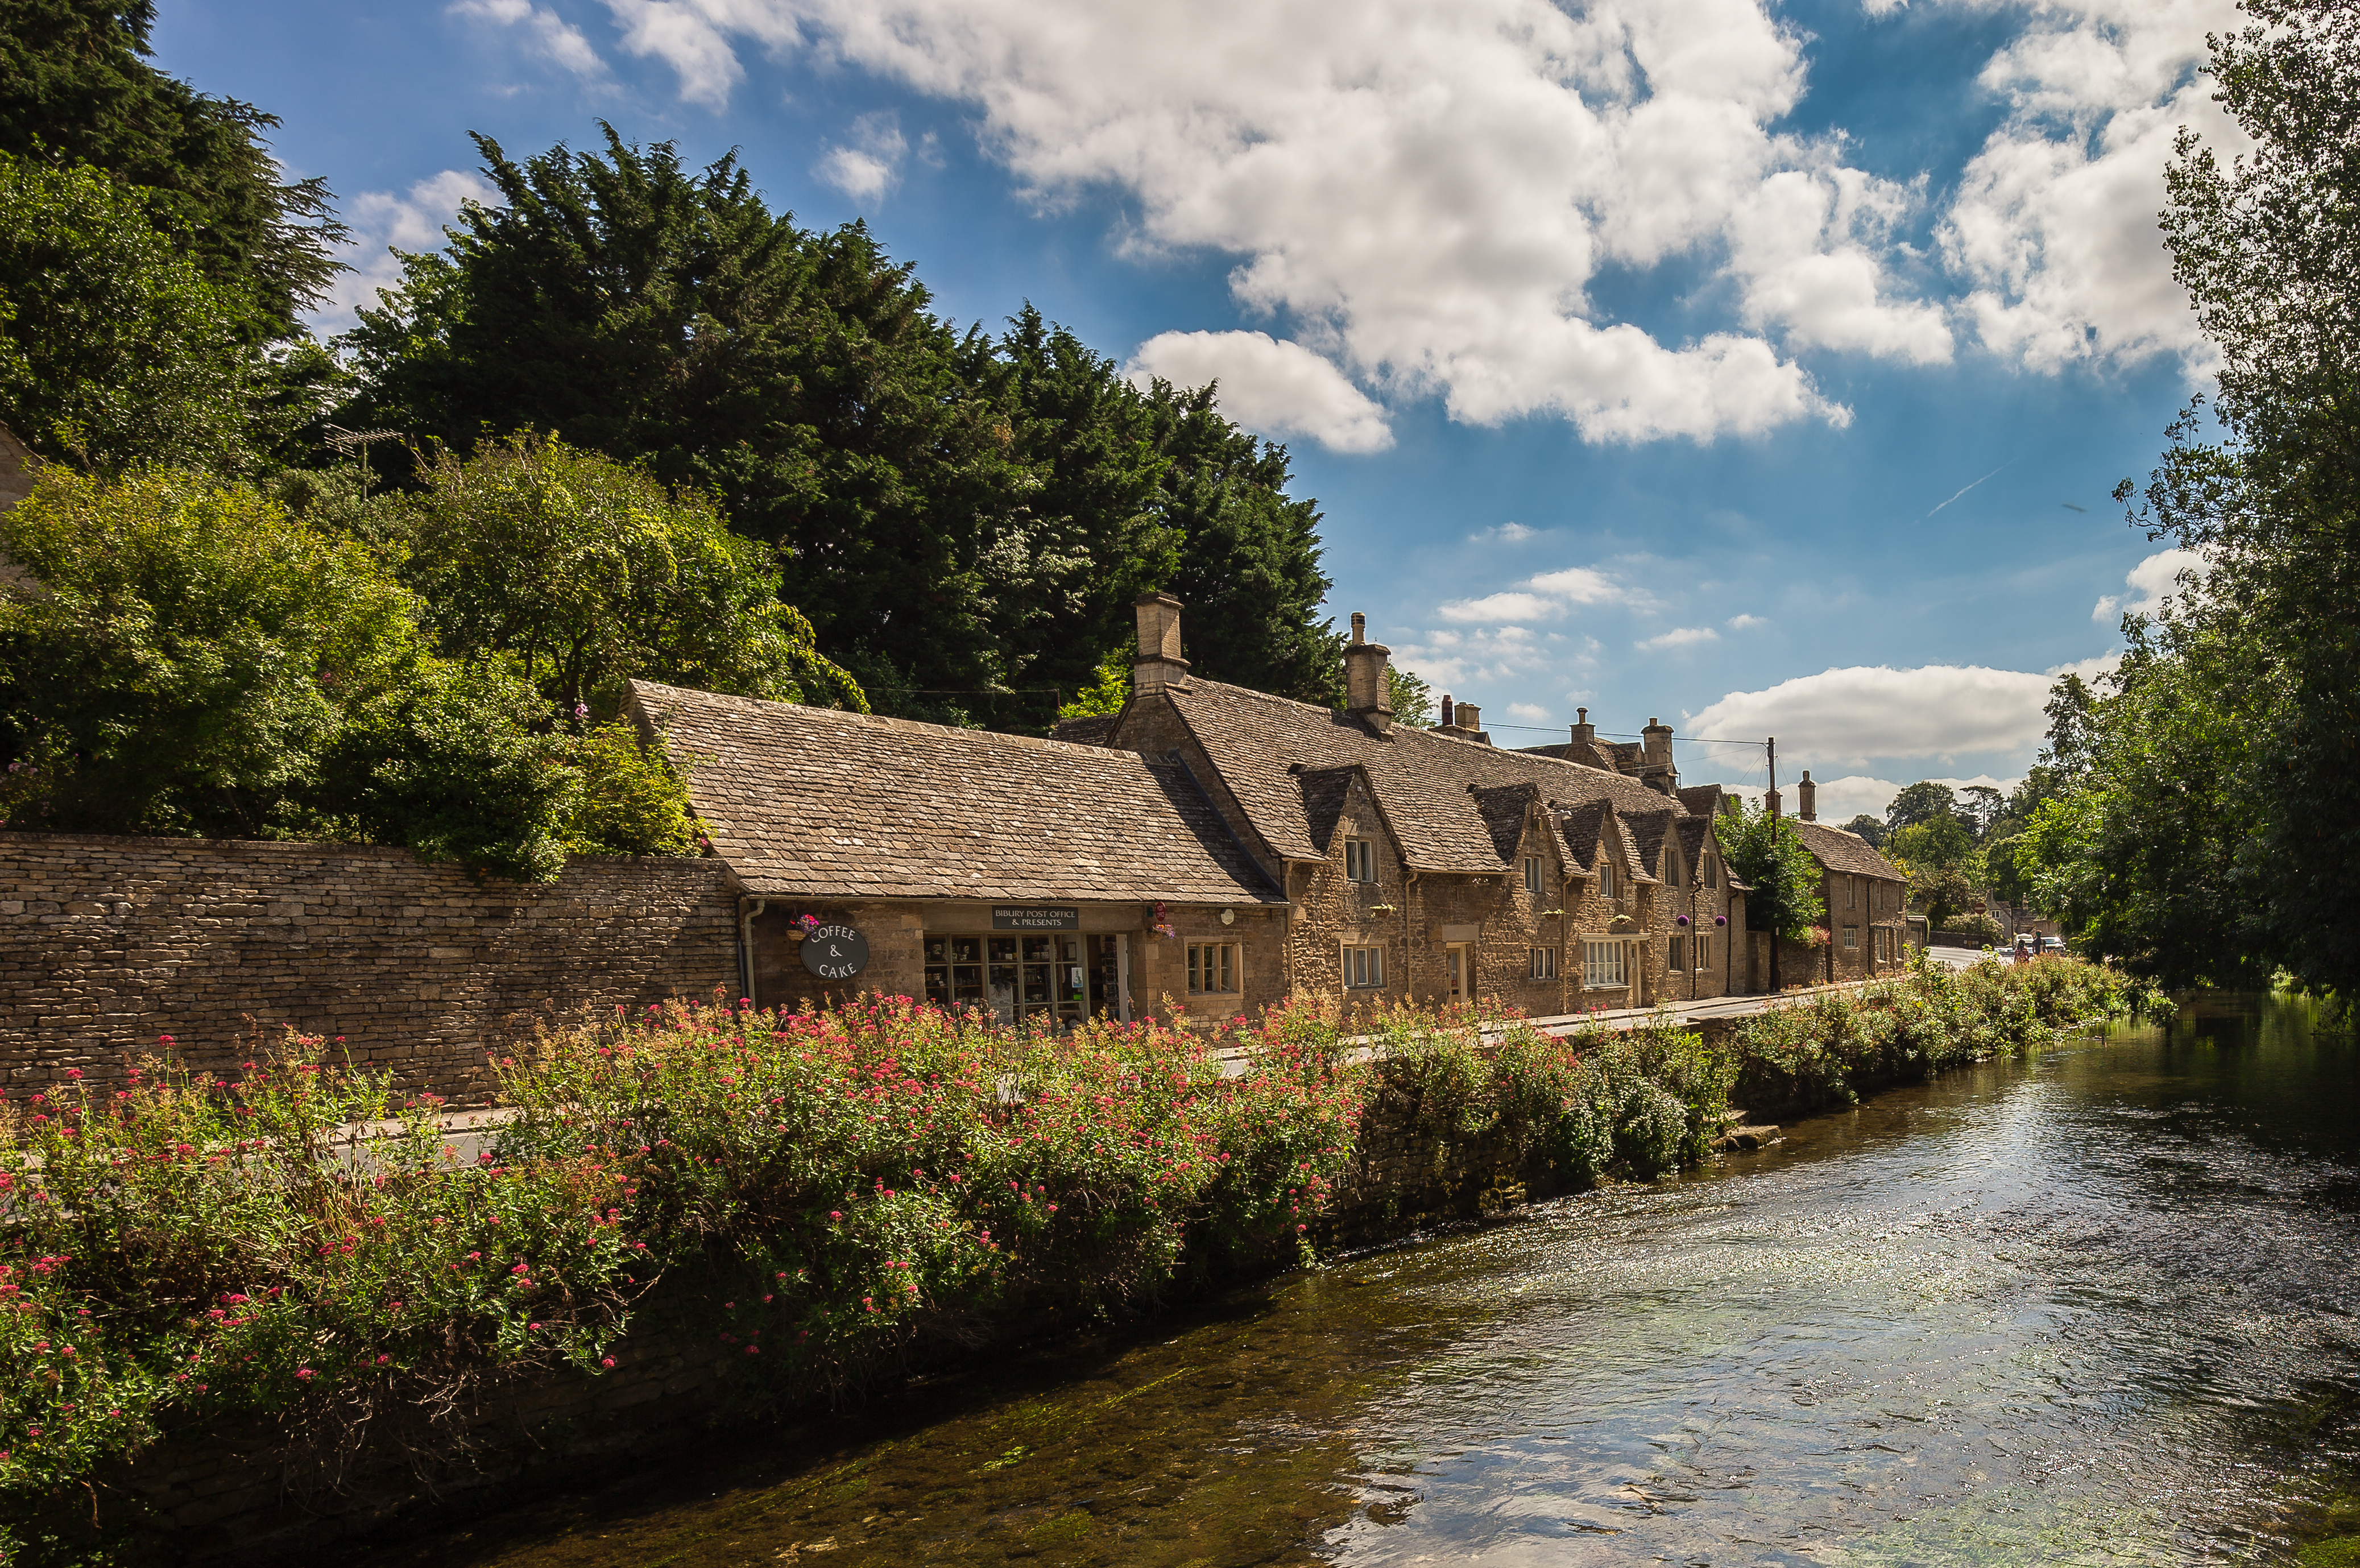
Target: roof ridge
pixel 882 720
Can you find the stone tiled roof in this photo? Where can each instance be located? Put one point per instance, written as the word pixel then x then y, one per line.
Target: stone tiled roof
pixel 1420 779
pixel 1846 852
pixel 1580 827
pixel 814 802
pixel 1647 832
pixel 1096 731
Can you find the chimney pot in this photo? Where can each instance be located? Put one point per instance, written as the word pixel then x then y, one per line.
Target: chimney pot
pixel 1470 718
pixel 1359 627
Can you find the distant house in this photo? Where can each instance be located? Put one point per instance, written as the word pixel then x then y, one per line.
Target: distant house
pixel 1867 898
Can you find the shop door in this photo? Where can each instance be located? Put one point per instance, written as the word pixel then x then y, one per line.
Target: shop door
pixel 1462 963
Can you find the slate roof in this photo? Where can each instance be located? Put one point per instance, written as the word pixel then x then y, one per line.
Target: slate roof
pixel 1420 779
pixel 1847 852
pixel 1096 731
pixel 818 803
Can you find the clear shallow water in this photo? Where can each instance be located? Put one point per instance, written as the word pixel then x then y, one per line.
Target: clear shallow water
pixel 2097 1308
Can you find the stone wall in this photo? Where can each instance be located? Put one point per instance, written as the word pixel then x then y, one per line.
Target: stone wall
pixel 108 943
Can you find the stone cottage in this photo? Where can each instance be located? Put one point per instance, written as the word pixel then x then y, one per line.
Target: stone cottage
pixel 1867 898
pixel 1430 865
pixel 1036 877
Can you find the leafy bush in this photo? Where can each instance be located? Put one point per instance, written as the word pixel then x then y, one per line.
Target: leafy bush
pixel 1983 927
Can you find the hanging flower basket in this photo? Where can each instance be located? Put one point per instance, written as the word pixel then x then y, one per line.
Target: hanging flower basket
pixel 1721 919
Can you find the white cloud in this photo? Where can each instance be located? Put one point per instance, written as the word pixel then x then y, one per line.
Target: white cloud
pixel 1468 662
pixel 871 163
pixel 1850 716
pixel 1506 533
pixel 2152 581
pixel 1544 597
pixel 379 220
pixel 1530 713
pixel 550 34
pixel 1427 187
pixel 1745 622
pixel 1268 385
pixel 1680 637
pixel 2054 223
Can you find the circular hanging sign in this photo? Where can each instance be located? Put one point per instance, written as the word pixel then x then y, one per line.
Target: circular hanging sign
pixel 836 953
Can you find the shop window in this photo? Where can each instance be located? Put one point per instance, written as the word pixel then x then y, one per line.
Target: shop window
pixel 1364 968
pixel 1064 978
pixel 1532 875
pixel 1214 969
pixel 1543 963
pixel 1603 965
pixel 1360 859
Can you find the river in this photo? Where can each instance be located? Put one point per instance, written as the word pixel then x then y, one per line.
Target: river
pixel 2097 1308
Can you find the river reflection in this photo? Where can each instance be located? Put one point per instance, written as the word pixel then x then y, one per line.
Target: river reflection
pixel 2095 1309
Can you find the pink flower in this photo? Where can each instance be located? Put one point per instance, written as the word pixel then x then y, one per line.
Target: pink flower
pixel 305 1372
pixel 608 1362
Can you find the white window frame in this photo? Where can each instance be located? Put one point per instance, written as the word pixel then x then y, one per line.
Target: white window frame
pixel 1703 951
pixel 1216 968
pixel 1532 875
pixel 1360 859
pixel 1364 968
pixel 1605 877
pixel 1605 964
pixel 1542 963
pixel 1852 938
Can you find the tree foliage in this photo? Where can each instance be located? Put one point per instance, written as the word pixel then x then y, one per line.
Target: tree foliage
pixel 966 520
pixel 2208 797
pixel 1412 697
pixel 1922 801
pixel 589 572
pixel 1871 829
pixel 115 347
pixel 1782 877
pixel 189 657
pixel 76 87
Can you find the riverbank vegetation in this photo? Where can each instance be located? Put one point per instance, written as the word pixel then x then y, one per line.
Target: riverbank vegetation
pixel 824 1193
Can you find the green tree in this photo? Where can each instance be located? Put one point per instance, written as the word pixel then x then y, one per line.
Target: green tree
pixel 1921 801
pixel 1782 878
pixel 115 347
pixel 1869 828
pixel 2265 483
pixel 188 657
pixel 589 572
pixel 966 520
pixel 76 86
pixel 1412 697
pixel 1941 841
pixel 1105 695
pixel 1980 808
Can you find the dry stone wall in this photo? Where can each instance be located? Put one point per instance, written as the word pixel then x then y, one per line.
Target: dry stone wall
pixel 108 943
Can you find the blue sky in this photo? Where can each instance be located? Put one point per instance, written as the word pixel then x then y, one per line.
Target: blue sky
pixel 1762 367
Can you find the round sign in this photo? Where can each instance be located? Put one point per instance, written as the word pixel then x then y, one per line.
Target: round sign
pixel 836 953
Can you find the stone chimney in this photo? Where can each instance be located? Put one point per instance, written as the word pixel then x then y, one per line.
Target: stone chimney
pixel 1770 801
pixel 1449 711
pixel 1160 664
pixel 1368 687
pixel 1585 733
pixel 1462 721
pixel 1655 769
pixel 1805 803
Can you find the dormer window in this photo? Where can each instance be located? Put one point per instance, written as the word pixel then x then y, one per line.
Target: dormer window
pixel 1672 866
pixel 1711 872
pixel 1605 878
pixel 1360 859
pixel 1532 875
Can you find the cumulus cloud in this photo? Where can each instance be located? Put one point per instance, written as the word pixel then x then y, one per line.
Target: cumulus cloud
pixel 1428 187
pixel 869 163
pixel 1853 714
pixel 548 34
pixel 2151 582
pixel 1268 385
pixel 1842 799
pixel 1680 637
pixel 382 223
pixel 2054 223
pixel 1469 663
pixel 1506 533
pixel 1745 622
pixel 1544 597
